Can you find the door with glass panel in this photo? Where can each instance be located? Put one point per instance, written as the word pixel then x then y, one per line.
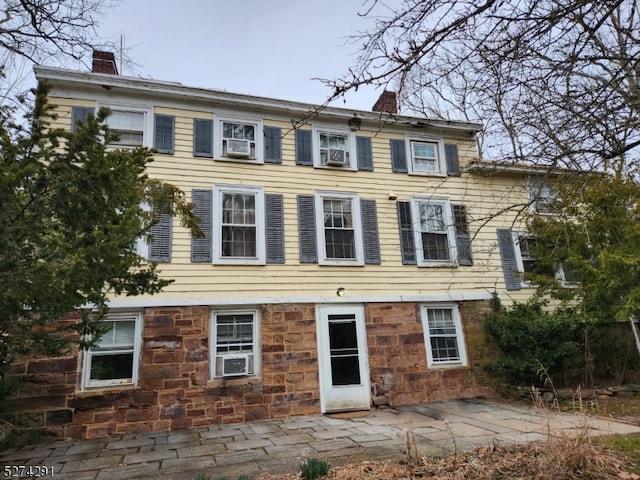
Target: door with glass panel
pixel 343 361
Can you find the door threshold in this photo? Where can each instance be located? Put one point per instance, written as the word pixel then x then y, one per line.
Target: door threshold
pixel 348 415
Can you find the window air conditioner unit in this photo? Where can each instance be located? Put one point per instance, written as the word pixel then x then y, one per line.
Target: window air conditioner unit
pixel 233 365
pixel 337 158
pixel 238 148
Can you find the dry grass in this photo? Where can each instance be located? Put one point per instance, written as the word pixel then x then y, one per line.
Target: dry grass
pixel 560 458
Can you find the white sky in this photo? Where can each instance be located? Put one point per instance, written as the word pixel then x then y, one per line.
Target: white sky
pixel 266 48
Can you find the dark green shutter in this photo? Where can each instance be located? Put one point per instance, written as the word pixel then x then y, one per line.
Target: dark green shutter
pixel 203 209
pixel 164 130
pixel 398 156
pixel 275 227
pixel 451 155
pixel 365 154
pixel 370 237
pixel 307 229
pixel 463 238
pixel 304 150
pixel 202 137
pixel 80 114
pixel 272 145
pixel 160 246
pixel 407 244
pixel 508 256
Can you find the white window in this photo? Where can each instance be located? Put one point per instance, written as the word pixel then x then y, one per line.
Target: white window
pixel 443 335
pixel 426 156
pixel 524 244
pixel 434 232
pixel 114 360
pixel 234 344
pixel 239 224
pixel 334 148
pixel 239 139
pixel 134 125
pixel 339 228
pixel 542 195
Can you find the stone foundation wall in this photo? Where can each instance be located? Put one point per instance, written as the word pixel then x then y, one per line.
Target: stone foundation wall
pixel 174 389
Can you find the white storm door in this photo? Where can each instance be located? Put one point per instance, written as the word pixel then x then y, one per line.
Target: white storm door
pixel 343 360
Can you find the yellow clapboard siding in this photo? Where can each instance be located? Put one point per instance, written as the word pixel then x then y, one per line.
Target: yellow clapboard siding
pixel 483 197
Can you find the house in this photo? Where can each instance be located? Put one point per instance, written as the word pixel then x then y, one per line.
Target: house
pixel 348 261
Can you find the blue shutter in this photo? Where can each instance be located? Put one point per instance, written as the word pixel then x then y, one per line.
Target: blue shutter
pixel 398 156
pixel 272 145
pixel 160 246
pixel 365 154
pixel 80 114
pixel 508 256
pixel 202 137
pixel 451 156
pixel 203 209
pixel 304 150
pixel 274 227
pixel 463 238
pixel 307 229
pixel 164 132
pixel 370 238
pixel 407 243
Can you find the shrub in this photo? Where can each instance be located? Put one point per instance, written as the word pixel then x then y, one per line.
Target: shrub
pixel 527 337
pixel 313 468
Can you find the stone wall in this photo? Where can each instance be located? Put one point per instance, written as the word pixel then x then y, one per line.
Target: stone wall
pixel 174 390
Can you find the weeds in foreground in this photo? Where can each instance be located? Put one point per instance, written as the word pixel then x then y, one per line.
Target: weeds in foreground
pixel 313 468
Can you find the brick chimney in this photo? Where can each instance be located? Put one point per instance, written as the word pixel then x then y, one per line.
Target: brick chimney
pixel 386 103
pixel 104 62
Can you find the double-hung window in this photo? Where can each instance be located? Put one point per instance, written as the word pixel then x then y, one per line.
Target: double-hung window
pixel 542 195
pixel 434 232
pixel 424 157
pixel 334 148
pixel 239 222
pixel 234 343
pixel 339 228
pixel 114 359
pixel 239 139
pixel 132 124
pixel 443 335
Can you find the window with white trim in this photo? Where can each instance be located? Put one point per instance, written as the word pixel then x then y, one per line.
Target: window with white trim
pixel 426 156
pixel 524 246
pixel 134 125
pixel 238 139
pixel 239 224
pixel 434 233
pixel 234 344
pixel 114 360
pixel 542 195
pixel 334 148
pixel 339 228
pixel 444 336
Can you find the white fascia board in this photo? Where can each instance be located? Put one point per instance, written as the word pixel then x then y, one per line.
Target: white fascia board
pixel 59 77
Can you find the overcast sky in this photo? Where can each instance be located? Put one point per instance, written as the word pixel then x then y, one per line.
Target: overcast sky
pixel 267 48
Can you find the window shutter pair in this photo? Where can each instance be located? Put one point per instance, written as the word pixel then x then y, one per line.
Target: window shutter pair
pixel 202 248
pixel 399 157
pixel 508 258
pixel 407 243
pixel 308 236
pixel 203 141
pixel 304 150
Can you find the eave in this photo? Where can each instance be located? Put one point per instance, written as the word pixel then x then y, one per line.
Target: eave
pixel 70 79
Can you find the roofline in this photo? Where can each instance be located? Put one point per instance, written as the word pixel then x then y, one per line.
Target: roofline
pixel 176 89
pixel 497 167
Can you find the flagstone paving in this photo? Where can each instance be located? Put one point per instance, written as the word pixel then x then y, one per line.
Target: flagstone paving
pixel 279 446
